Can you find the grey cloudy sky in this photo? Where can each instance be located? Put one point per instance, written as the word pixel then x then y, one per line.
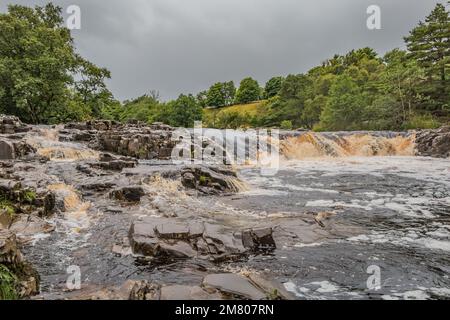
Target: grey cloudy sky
pixel 183 46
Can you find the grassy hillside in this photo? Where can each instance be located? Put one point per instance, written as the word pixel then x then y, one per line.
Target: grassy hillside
pixel 240 115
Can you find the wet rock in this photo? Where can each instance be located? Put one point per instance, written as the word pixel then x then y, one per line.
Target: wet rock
pixel 258 239
pixel 113 163
pixel 210 180
pixel 86 169
pixel 129 194
pixel 27 226
pixel 143 290
pixel 10 150
pixel 181 292
pixel 7 151
pixel 99 125
pixel 433 143
pixel 10 257
pixel 156 237
pixel 321 217
pixel 178 231
pixel 135 139
pixel 26 199
pixel 130 290
pixel 11 125
pixel 234 285
pixel 220 245
pixel 99 187
pixel 273 290
pixel 8 188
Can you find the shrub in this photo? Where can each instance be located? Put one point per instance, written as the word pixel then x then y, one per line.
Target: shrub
pixel 286 125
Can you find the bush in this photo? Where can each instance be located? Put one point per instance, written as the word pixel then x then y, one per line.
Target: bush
pixel 286 125
pixel 422 122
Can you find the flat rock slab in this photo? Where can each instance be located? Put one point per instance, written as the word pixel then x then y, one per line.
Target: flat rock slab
pixel 26 226
pixel 178 231
pixel 234 284
pixel 180 292
pixel 163 237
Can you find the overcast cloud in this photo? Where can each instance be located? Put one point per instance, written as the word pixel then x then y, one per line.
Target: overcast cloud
pixel 183 46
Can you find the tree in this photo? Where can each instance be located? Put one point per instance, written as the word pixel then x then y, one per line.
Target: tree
pixel 429 45
pixel 184 111
pixel 229 92
pixel 402 80
pixel 248 91
pixel 38 63
pixel 202 99
pixel 216 96
pixel 91 86
pixel 143 108
pixel 273 87
pixel 345 105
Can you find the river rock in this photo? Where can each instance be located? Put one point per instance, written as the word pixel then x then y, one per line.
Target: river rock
pixel 129 194
pixel 11 125
pixel 114 163
pixel 433 143
pixel 258 239
pixel 234 285
pixel 175 239
pixel 7 151
pixel 27 226
pixel 210 180
pixel 10 149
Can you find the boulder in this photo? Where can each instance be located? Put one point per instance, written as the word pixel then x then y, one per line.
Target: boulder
pixel 165 238
pixel 128 194
pixel 211 180
pixel 11 125
pixel 258 239
pixel 433 143
pixel 10 150
pixel 7 151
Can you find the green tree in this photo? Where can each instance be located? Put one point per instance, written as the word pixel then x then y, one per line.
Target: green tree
pixel 38 63
pixel 429 45
pixel 273 87
pixel 345 105
pixel 91 86
pixel 229 92
pixel 202 99
pixel 216 96
pixel 248 91
pixel 184 111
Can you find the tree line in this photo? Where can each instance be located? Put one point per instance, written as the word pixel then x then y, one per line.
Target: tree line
pixel 44 80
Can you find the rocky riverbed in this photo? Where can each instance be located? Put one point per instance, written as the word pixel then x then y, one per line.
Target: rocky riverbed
pixel 104 198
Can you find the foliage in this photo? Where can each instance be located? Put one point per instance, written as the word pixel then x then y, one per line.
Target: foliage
pixel 249 91
pixel 7 207
pixel 273 87
pixel 42 78
pixel 8 283
pixel 184 111
pixel 428 44
pixel 286 125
